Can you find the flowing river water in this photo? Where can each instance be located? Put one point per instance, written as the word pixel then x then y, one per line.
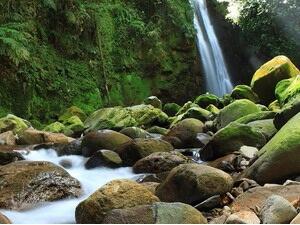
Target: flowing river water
pixel 63 211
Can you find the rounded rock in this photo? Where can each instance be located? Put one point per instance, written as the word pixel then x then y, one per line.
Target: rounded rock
pixel 117 194
pixel 193 183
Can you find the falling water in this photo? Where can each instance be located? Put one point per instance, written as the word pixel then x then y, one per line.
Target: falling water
pixel 216 74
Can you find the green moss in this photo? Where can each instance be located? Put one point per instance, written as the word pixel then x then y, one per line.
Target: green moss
pixel 234 111
pixel 287 90
pixel 282 151
pixel 231 138
pixel 90 54
pixel 55 127
pixel 244 91
pixel 13 123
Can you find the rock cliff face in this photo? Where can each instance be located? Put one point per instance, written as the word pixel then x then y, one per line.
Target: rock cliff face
pixel 94 53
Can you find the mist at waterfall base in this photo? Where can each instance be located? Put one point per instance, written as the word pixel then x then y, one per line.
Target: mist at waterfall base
pixel 217 79
pixel 63 211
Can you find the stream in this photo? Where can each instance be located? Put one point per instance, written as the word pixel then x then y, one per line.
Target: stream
pixel 63 211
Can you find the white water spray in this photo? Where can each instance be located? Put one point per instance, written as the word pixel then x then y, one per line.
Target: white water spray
pixel 216 74
pixel 63 211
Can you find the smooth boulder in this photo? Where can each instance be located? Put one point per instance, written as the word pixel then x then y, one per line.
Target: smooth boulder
pixel 277 210
pixel 186 132
pixel 102 139
pixel 205 100
pixel 230 139
pixel 159 162
pixel 105 158
pixel 268 75
pixel 243 217
pixel 154 101
pixel 139 148
pixel 24 184
pixel 135 132
pixel 234 111
pixel 31 136
pixel 258 195
pixel 193 183
pixel 282 151
pixel 117 194
pixel 158 213
pixel 244 92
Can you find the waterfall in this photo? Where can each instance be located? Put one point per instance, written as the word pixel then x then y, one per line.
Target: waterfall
pixel 216 75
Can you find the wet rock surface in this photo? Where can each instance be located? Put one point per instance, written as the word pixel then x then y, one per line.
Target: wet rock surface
pixel 24 184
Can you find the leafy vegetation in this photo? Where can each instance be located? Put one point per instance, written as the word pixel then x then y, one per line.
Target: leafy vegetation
pixel 272 27
pixel 92 53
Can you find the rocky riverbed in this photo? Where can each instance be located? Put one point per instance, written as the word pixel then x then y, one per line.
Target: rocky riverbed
pixel 234 159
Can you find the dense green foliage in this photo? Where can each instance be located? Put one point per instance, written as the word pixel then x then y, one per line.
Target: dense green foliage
pixel 93 53
pixel 272 27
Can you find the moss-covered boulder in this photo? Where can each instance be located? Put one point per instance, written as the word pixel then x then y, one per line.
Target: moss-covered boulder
pixel 159 162
pixel 104 158
pixel 196 113
pixel 171 109
pixel 158 213
pixel 25 184
pixel 102 139
pixel 267 76
pixel 139 148
pixel 135 132
pixel 205 100
pixel 234 111
pixel 72 111
pixel 231 138
pixel 56 127
pixel 154 101
pixel 147 115
pixel 264 115
pixel 193 183
pixel 287 112
pixel 244 92
pixel 117 194
pixel 266 127
pixel 287 89
pixel 110 118
pixel 186 132
pixel 279 158
pixel 13 123
pixel 157 130
pixel 186 107
pixel 213 109
pixel 74 124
